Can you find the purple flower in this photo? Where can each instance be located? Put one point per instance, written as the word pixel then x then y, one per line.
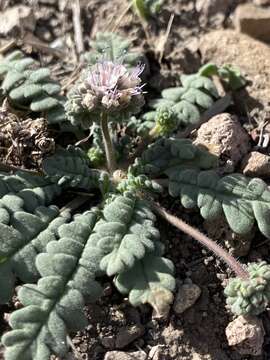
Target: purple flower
pixel 105 87
pixel 111 85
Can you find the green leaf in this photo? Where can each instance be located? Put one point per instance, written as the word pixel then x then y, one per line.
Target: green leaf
pixel 71 167
pixel 114 47
pixel 174 94
pixel 12 79
pixel 39 75
pixel 198 97
pixel 27 85
pixel 24 191
pixel 243 201
pixel 197 94
pixel 186 112
pixel 43 103
pixel 203 83
pixel 149 281
pixel 54 306
pixel 167 156
pixel 125 234
pixel 21 240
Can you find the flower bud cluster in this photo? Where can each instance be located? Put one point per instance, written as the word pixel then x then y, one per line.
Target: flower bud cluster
pixel 252 295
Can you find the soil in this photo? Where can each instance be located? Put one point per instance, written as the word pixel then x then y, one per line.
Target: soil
pixel 198 333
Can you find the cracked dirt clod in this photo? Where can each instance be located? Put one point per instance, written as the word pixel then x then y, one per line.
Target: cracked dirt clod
pixel 224 136
pixel 186 296
pixel 251 56
pixel 246 334
pixel 256 164
pixel 253 20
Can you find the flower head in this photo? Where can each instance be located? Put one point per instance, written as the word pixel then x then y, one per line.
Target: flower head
pixel 107 87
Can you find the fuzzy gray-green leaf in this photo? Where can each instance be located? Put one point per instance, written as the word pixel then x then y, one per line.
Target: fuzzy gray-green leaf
pixel 243 201
pixel 125 234
pixel 71 167
pixel 27 85
pixel 21 240
pixel 54 306
pixel 167 156
pixel 149 281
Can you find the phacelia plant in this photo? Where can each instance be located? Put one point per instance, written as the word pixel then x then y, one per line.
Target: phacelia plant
pixel 60 256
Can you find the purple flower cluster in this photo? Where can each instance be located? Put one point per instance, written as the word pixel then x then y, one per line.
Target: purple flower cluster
pixel 106 87
pixel 111 86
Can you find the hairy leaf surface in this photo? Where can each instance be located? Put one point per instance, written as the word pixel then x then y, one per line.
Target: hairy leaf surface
pixel 167 156
pixel 29 86
pixel 149 281
pixel 54 306
pixel 112 47
pixel 71 167
pixel 24 191
pixel 243 201
pixel 125 234
pixel 188 102
pixel 25 236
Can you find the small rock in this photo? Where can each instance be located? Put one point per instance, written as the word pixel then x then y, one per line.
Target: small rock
pixel 253 20
pixel 261 2
pixel 186 296
pixel 128 334
pixel 108 341
pixel 251 56
pixel 256 164
pixel 224 136
pixel 246 334
pixel 120 355
pixel 156 353
pixel 16 19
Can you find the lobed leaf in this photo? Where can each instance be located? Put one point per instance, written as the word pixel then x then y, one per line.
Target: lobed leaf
pixel 113 47
pixel 25 191
pixel 71 167
pixel 243 201
pixel 26 85
pixel 167 156
pixel 125 234
pixel 54 306
pixel 149 281
pixel 21 239
pixel 188 102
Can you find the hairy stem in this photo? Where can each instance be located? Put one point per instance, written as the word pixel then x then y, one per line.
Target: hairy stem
pixel 236 267
pixel 108 145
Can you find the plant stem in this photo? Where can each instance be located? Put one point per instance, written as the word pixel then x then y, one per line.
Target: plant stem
pixel 75 203
pixel 108 145
pixel 236 266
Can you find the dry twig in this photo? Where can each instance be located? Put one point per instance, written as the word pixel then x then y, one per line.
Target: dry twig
pixel 78 35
